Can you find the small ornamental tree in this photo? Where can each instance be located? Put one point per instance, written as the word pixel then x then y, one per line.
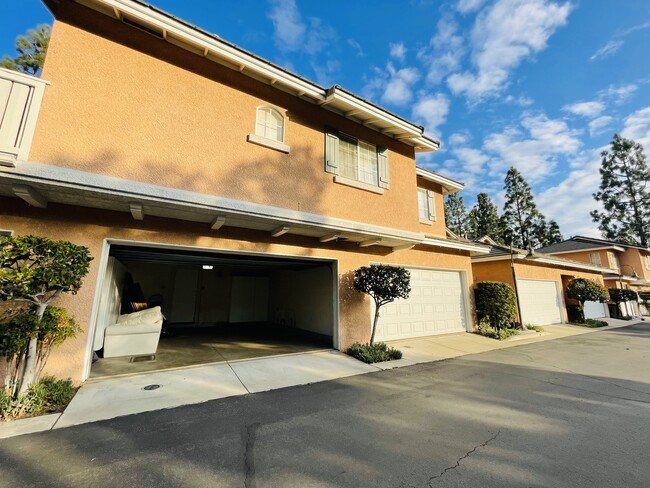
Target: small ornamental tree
pixel 584 290
pixel 384 284
pixel 496 304
pixel 621 295
pixel 37 270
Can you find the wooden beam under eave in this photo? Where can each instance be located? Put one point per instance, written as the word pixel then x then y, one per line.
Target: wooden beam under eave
pixel 218 222
pixel 404 247
pixel 280 231
pixel 370 242
pixel 330 237
pixel 30 195
pixel 137 211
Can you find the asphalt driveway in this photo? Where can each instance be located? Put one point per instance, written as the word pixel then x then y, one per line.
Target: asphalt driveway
pixel 571 412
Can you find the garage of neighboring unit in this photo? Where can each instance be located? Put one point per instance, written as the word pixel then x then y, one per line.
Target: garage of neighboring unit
pixel 169 307
pixel 541 302
pixel 437 304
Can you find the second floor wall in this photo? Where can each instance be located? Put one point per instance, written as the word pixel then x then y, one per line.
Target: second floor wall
pixel 124 103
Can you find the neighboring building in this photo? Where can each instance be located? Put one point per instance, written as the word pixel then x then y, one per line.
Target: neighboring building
pixel 221 187
pixel 629 265
pixel 541 281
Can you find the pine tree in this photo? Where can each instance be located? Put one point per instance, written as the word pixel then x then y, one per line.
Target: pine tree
pixel 554 233
pixel 623 193
pixel 456 215
pixel 31 51
pixel 520 219
pixel 484 218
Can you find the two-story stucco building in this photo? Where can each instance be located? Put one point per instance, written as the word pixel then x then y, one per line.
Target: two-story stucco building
pixel 236 195
pixel 630 265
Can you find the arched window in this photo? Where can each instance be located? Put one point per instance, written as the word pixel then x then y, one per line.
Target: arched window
pixel 269 124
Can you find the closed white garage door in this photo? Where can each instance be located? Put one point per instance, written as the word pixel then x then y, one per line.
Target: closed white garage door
pixel 540 302
pixel 436 305
pixel 595 310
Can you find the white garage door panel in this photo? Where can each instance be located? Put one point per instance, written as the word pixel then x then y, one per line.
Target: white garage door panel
pixel 435 306
pixel 595 310
pixel 540 302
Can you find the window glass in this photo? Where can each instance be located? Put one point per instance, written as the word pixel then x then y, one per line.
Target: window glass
pixel 613 260
pixel 594 257
pixel 348 157
pixel 270 124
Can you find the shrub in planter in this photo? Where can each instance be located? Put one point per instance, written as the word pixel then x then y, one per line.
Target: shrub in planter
pixel 375 353
pixel 486 330
pixel 583 290
pixel 496 304
pixel 44 396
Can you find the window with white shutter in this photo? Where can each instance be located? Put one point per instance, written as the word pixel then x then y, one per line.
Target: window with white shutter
pixel 426 205
pixel 356 160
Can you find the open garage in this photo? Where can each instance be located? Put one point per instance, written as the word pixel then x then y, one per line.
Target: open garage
pixel 161 308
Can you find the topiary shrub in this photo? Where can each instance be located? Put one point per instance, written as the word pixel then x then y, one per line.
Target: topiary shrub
pixel 485 330
pixel 621 295
pixel 583 290
pixel 373 354
pixel 384 284
pixel 496 304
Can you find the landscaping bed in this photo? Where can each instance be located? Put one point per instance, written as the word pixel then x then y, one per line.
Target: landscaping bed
pixel 48 395
pixel 376 353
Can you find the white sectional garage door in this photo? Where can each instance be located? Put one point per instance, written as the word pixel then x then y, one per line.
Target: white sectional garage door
pixel 436 305
pixel 540 302
pixel 595 310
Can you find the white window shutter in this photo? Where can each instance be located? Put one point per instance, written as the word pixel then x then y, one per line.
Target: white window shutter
pixel 431 199
pixel 382 162
pixel 332 152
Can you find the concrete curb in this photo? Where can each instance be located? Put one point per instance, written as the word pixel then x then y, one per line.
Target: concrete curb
pixel 30 425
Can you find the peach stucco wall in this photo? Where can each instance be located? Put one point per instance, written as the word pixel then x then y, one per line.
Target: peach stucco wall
pixel 90 227
pixel 126 104
pixel 502 271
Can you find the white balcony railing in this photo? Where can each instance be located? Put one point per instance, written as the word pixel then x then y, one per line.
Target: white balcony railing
pixel 20 101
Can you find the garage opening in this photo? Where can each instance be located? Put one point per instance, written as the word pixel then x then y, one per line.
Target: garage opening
pixel 171 308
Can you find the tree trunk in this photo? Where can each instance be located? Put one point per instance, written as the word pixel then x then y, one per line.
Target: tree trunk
pixel 374 324
pixel 29 377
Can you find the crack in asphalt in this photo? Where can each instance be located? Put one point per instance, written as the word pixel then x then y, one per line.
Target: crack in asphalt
pixel 249 465
pixel 460 459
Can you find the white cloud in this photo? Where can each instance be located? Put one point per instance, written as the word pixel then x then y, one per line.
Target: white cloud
pixel 399 87
pixel 398 51
pixel 431 111
pixel 637 127
pixel 318 36
pixel 535 149
pixel 326 71
pixel 607 50
pixel 599 125
pixel 521 101
pixel 618 94
pixel 505 34
pixel 570 201
pixel 444 53
pixel 288 26
pixel 354 44
pixel 467 6
pixel 585 109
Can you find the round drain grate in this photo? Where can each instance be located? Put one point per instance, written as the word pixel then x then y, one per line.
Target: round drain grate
pixel 151 387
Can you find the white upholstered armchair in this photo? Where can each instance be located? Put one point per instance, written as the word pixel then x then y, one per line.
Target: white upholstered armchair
pixel 134 334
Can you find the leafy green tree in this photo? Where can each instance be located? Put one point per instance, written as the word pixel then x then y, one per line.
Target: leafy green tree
pixel 37 270
pixel 623 193
pixel 31 51
pixel 383 284
pixel 456 215
pixel 584 290
pixel 484 218
pixel 554 234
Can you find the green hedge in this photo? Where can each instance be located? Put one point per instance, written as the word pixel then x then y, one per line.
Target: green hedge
pixel 496 304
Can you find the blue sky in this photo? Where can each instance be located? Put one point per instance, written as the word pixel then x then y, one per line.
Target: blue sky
pixel 538 84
